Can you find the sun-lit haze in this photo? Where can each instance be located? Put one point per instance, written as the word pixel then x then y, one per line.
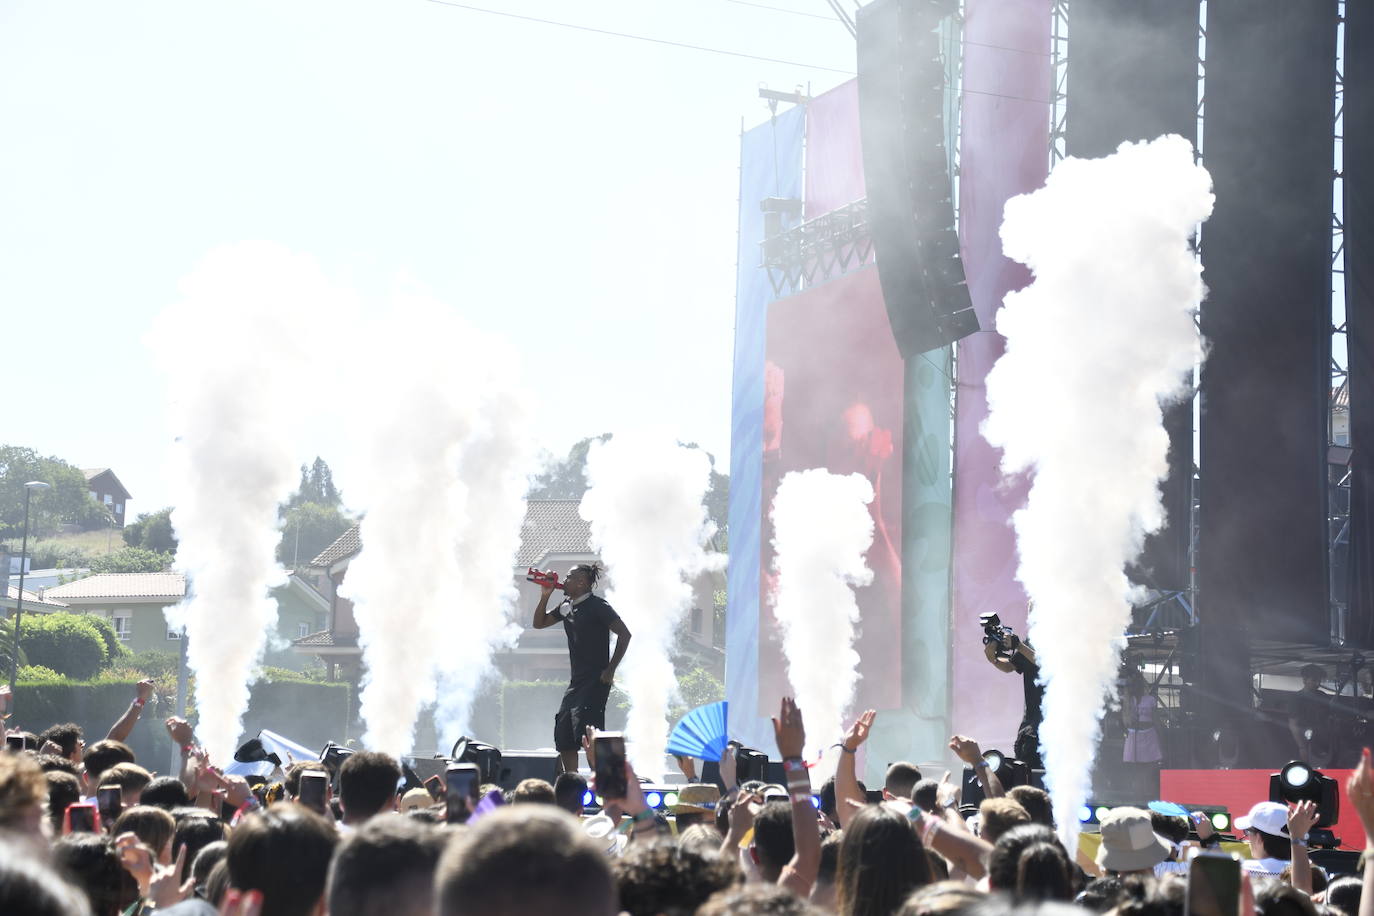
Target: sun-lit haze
pixel 575 192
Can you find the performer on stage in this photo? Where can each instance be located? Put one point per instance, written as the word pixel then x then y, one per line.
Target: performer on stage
pixel 588 622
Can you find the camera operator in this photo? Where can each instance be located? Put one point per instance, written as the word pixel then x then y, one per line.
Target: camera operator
pixel 1012 654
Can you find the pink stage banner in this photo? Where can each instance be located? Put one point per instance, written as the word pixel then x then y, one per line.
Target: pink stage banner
pixel 1004 152
pixel 834 156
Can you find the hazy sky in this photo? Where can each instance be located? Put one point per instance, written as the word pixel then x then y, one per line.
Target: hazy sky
pixel 571 190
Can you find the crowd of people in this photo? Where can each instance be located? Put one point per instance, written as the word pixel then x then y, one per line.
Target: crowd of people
pixel 86 830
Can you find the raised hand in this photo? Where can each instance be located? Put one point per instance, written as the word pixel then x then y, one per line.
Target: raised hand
pixel 1301 818
pixel 788 730
pixel 1359 788
pixel 729 772
pixel 145 690
pixel 966 749
pixel 180 730
pixel 858 732
pixel 168 886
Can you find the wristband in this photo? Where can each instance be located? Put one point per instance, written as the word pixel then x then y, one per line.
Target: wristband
pixel 793 765
pixel 982 764
pixel 187 748
pixel 1299 842
pixel 139 702
pixel 846 750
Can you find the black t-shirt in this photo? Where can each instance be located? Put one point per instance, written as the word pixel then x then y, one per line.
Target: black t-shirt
pixel 588 626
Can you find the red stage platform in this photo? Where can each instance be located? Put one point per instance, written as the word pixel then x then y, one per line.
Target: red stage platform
pixel 1238 790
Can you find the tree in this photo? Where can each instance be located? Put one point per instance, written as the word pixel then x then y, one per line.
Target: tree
pixel 131 560
pixel 308 529
pixel 316 487
pixel 68 502
pixel 152 531
pixel 67 643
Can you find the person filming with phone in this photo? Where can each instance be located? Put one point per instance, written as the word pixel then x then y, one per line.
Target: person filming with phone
pixel 588 622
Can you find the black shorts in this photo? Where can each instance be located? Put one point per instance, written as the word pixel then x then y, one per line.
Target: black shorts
pixel 583 704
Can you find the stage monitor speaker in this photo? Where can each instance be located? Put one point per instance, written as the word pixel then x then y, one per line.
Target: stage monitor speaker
pixel 425 767
pixel 906 173
pixel 518 765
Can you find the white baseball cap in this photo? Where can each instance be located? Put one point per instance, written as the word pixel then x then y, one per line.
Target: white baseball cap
pixel 1266 817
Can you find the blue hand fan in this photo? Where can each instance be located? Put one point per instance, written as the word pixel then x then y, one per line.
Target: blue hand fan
pixel 1172 809
pixel 701 733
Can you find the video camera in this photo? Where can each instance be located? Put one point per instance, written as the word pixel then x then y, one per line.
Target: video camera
pixel 994 631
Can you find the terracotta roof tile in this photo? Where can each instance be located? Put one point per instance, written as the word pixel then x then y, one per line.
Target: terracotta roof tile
pixel 123 585
pixel 552 526
pixel 348 544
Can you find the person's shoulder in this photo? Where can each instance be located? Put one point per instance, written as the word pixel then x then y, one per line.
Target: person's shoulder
pixel 602 605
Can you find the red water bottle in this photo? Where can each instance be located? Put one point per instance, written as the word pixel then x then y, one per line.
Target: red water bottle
pixel 543 578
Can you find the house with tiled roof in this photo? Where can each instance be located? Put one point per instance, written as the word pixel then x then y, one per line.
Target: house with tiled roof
pixel 134 604
pixel 34 601
pixel 106 489
pixel 553 536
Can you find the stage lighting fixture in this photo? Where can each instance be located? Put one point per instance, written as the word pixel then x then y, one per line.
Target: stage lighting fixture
pixel 670 799
pixel 1085 814
pixel 1298 781
pixel 588 798
pixel 487 757
pixel 750 765
pixel 1010 771
pixel 653 800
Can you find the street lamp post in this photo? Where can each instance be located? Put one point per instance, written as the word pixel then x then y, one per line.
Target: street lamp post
pixel 19 603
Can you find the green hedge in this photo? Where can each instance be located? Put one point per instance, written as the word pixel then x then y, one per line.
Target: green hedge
pixel 95 707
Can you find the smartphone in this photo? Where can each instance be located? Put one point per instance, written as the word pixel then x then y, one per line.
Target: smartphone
pixel 777 796
pixel 81 817
pixel 462 782
pixel 1213 885
pixel 435 786
pixel 110 801
pixel 226 810
pixel 314 784
pixel 610 765
pixel 14 743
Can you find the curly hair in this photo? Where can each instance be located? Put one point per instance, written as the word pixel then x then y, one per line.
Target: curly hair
pixel 660 877
pixel 593 571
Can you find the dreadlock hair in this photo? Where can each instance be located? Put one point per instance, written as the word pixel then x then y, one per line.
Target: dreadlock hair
pixel 593 571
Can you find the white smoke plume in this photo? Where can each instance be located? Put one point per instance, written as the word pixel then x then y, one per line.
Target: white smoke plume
pixel 441 482
pixel 496 465
pixel 822 529
pixel 237 349
pixel 1095 344
pixel 649 524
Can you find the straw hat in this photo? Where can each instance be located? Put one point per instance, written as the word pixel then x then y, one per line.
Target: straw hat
pixel 696 798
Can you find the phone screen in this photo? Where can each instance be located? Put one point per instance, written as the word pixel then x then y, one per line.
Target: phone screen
pixel 435 786
pixel 313 785
pixel 1213 885
pixel 610 765
pixel 110 801
pixel 82 817
pixel 463 781
pixel 14 742
pixel 227 810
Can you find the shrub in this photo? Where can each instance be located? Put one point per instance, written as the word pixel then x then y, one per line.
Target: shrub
pixel 115 650
pixel 131 560
pixel 38 674
pixel 153 663
pixel 67 643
